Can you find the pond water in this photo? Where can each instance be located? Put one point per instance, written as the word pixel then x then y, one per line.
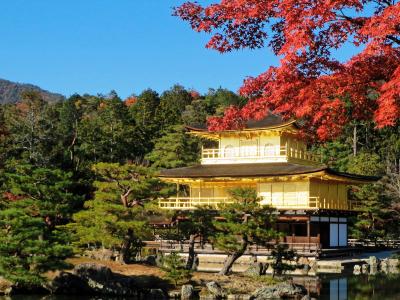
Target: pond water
pixel 380 286
pixel 325 287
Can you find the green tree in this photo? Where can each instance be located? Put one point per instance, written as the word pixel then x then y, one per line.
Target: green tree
pixel 196 224
pixel 35 202
pixel 174 267
pixel 242 223
pixel 173 103
pixel 144 109
pixel 31 124
pixel 143 112
pixel 108 133
pixel 46 193
pixel 370 222
pixel 117 217
pixel 219 99
pixel 174 149
pixel 28 248
pixel 196 113
pixel 282 256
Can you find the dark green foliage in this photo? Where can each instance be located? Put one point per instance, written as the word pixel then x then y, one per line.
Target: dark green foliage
pixel 174 267
pixel 175 148
pixel 35 201
pixel 28 248
pixel 364 150
pixel 197 224
pixel 173 103
pixel 213 103
pixel 118 215
pixel 143 112
pixel 282 258
pixel 242 223
pixel 47 193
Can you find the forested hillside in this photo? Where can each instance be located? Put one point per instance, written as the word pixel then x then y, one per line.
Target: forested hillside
pixel 10 92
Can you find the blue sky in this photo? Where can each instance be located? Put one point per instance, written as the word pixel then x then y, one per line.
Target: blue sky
pixel 93 46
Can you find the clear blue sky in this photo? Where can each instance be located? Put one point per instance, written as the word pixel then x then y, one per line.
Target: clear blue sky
pixel 93 46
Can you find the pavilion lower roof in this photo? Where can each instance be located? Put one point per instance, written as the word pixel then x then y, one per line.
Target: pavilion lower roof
pixel 255 170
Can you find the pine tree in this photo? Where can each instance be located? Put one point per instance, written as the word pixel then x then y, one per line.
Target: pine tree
pixel 174 267
pixel 370 222
pixel 36 201
pixel 242 223
pixel 28 248
pixel 196 224
pixel 117 217
pixel 174 149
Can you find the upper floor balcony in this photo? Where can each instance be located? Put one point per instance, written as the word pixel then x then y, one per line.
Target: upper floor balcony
pixel 285 203
pixel 267 154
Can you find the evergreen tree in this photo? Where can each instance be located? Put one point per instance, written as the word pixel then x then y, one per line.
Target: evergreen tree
pixel 242 223
pixel 175 148
pixel 143 111
pixel 196 224
pixel 117 217
pixel 220 99
pixel 174 267
pixel 173 103
pixel 46 193
pixel 28 248
pixel 35 202
pixel 370 222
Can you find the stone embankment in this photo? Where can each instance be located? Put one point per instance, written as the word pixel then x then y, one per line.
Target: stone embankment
pixel 374 265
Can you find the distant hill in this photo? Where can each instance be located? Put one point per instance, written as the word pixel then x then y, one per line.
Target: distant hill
pixel 10 92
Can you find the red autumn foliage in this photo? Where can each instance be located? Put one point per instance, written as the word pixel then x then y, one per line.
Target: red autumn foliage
pixel 195 94
pixel 130 101
pixel 12 197
pixel 310 83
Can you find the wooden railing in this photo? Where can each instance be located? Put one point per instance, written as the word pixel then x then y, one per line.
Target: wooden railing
pixel 288 202
pixel 192 202
pixel 273 153
pixel 368 243
pixel 305 246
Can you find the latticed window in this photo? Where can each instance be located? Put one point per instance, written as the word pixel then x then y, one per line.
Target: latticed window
pixel 248 148
pixel 269 150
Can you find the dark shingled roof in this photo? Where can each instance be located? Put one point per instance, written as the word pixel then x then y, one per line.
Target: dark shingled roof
pixel 270 120
pixel 253 170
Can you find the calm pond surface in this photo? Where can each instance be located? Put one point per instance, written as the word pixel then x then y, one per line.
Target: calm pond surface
pixel 325 287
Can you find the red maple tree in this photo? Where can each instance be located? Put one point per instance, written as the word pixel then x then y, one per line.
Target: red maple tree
pixel 130 101
pixel 310 83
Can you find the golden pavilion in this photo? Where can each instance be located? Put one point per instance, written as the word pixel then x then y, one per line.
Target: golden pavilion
pixel 268 155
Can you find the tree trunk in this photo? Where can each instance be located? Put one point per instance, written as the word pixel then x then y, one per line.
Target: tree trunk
pixel 125 247
pixel 230 260
pixel 191 253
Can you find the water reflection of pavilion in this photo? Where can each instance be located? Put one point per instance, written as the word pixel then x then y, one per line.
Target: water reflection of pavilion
pixel 325 287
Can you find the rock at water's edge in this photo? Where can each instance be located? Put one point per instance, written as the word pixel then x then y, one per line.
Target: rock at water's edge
pixel 187 292
pixel 215 289
pixel 281 290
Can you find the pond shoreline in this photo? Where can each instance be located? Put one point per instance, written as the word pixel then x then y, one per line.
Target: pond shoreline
pixel 143 281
